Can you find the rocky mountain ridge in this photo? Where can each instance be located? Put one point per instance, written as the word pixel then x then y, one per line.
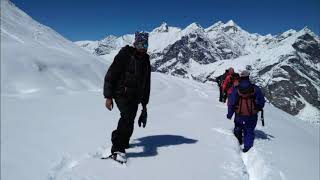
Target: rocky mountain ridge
pixel 286 66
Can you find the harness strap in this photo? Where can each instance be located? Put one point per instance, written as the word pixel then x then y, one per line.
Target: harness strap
pixel 248 106
pixel 240 102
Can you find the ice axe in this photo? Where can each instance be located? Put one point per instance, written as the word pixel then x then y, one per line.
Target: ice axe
pixel 262 117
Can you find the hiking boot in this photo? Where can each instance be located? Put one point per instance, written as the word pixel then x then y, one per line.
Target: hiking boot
pixel 119 157
pixel 240 141
pixel 244 150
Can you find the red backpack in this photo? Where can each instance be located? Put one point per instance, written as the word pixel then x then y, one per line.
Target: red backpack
pixel 246 103
pixel 233 78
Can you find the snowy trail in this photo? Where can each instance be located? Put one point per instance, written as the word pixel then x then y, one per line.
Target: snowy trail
pixel 187 137
pixel 254 163
pixel 165 90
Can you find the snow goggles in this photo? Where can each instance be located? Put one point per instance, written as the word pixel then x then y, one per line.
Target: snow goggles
pixel 141 45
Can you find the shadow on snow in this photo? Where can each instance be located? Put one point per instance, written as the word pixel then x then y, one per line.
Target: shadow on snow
pixel 151 144
pixel 259 134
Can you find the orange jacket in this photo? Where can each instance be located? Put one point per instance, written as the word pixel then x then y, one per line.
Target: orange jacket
pixel 228 84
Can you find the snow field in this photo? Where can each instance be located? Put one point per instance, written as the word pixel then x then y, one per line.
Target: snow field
pixel 187 137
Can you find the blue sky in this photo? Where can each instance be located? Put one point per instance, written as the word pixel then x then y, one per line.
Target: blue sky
pixel 94 19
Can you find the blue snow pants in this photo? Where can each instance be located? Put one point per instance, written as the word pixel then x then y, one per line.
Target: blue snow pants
pixel 244 129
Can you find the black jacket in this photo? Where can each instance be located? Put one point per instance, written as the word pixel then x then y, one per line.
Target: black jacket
pixel 129 76
pixel 220 79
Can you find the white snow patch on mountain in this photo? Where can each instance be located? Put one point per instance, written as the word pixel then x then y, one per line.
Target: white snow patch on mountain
pixel 163 38
pixel 309 113
pixel 34 57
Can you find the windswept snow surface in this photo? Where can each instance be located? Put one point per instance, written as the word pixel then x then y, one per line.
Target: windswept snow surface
pixel 62 136
pixel 36 58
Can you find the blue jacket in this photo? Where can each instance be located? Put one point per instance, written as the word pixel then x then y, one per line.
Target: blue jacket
pixel 234 97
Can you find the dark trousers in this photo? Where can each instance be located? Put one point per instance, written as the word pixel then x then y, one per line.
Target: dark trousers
pixel 121 136
pixel 244 129
pixel 220 94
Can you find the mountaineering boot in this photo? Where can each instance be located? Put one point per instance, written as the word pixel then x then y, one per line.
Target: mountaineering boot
pixel 244 150
pixel 237 131
pixel 240 140
pixel 119 157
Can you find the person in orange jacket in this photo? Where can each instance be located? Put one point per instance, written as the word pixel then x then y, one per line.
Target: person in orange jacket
pixel 232 80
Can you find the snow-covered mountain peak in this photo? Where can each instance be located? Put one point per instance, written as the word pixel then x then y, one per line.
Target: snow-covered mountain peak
pixel 162 28
pixel 306 30
pixel 231 28
pixel 193 27
pixel 268 36
pixel 287 34
pixel 110 38
pixel 218 26
pixel 214 26
pixel 230 23
pixel 292 31
pixel 292 36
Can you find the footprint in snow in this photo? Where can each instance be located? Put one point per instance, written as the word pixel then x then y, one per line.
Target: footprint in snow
pixel 201 93
pixel 62 167
pixel 223 131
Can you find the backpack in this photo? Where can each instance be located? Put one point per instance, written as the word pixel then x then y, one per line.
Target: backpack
pixel 246 105
pixel 233 78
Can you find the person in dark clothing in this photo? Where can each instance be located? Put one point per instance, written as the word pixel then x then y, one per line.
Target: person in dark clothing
pixel 220 79
pixel 231 81
pixel 245 101
pixel 128 83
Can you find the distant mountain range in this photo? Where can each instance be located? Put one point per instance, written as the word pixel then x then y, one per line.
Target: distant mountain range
pixel 286 66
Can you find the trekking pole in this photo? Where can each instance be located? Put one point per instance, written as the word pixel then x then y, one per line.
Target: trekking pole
pixel 262 117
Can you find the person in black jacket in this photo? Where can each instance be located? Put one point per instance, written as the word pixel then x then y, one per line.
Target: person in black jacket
pixel 128 83
pixel 220 79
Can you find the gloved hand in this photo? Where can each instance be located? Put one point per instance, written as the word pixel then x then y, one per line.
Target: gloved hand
pixel 258 108
pixel 109 104
pixel 225 96
pixel 229 116
pixel 223 99
pixel 143 118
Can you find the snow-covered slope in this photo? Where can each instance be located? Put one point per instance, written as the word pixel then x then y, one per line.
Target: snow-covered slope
pixel 35 57
pixel 285 65
pixel 187 137
pixel 60 136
